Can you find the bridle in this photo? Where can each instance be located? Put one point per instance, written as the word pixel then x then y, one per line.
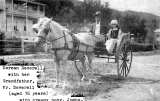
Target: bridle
pixel 47 27
pixel 46 31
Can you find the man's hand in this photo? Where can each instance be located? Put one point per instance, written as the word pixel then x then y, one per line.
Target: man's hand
pixel 107 36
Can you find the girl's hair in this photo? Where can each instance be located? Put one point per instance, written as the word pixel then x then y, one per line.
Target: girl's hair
pixel 117 27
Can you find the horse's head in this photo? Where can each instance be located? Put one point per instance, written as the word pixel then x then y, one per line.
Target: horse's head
pixel 43 28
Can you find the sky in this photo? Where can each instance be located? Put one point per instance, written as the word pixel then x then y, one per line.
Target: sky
pixel 149 6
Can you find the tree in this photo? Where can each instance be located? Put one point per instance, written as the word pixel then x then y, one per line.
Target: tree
pixel 129 23
pixel 89 7
pixel 150 32
pixel 64 11
pixel 54 7
pixel 142 29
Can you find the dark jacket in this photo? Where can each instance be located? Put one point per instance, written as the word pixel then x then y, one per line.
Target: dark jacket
pixel 103 28
pixel 114 33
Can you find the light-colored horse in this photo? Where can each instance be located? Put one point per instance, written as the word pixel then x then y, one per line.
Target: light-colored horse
pixel 62 46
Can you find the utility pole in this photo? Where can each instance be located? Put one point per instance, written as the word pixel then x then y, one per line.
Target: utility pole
pixel 143 37
pixel 84 12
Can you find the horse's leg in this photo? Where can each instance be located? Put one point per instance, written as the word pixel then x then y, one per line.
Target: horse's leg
pixel 64 73
pixel 57 61
pixel 90 56
pixel 83 70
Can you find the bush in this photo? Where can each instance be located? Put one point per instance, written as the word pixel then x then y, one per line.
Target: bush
pixel 157 46
pixel 32 48
pixel 140 47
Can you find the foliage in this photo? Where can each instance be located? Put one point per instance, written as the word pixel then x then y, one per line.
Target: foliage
pixel 2 35
pixel 140 47
pixel 57 8
pixel 69 14
pixel 32 48
pixel 129 23
pixel 150 31
pixel 64 11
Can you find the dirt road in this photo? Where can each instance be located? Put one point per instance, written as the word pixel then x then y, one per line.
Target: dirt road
pixel 142 84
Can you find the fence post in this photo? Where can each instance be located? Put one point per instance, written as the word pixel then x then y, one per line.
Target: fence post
pixel 46 47
pixel 22 45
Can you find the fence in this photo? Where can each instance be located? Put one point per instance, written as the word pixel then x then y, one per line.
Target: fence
pixel 21 47
pixel 26 39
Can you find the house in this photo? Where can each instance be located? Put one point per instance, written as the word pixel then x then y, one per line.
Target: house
pixel 157 35
pixel 18 16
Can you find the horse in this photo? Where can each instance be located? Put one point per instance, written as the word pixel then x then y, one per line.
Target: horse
pixel 65 46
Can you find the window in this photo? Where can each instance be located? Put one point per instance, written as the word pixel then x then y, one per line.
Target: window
pixel 41 8
pixel 25 29
pixel 15 6
pixel 35 7
pixel 15 28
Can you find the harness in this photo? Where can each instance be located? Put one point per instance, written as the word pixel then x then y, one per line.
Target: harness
pixel 75 48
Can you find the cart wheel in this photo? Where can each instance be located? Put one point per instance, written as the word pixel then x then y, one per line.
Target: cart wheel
pixel 124 59
pixel 79 66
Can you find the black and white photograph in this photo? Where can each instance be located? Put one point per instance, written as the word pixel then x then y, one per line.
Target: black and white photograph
pixel 80 50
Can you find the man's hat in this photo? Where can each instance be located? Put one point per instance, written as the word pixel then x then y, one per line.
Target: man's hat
pixel 98 13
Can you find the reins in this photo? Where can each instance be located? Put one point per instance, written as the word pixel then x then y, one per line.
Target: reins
pixel 74 51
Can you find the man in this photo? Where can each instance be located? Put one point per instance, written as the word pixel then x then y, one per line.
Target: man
pixel 98 27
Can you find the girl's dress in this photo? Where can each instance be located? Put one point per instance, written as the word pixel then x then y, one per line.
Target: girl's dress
pixel 113 36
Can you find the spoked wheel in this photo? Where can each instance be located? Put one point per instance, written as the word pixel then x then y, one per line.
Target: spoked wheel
pixel 79 65
pixel 124 59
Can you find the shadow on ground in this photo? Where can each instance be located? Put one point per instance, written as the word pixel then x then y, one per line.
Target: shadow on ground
pixel 128 80
pixel 106 84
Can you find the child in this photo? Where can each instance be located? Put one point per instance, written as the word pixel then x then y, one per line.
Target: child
pixel 113 36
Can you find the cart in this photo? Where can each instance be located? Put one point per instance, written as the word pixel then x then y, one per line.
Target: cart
pixel 122 54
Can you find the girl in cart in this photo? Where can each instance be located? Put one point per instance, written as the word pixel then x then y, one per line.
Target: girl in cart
pixel 113 36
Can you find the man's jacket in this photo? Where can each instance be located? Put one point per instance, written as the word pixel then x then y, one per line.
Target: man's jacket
pixel 103 28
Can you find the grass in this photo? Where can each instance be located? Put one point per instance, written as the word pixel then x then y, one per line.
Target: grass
pixel 89 90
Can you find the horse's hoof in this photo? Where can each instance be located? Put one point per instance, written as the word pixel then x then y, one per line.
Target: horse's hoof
pixel 64 87
pixel 56 86
pixel 91 81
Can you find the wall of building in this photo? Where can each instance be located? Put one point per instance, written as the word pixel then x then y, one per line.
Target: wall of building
pixel 2 15
pixel 8 5
pixel 20 26
pixel 157 34
pixel 2 21
pixel 30 30
pixel 19 23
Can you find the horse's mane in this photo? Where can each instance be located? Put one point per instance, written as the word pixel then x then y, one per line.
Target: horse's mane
pixel 54 22
pixel 62 27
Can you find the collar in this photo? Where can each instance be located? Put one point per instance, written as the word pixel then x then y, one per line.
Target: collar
pixel 98 22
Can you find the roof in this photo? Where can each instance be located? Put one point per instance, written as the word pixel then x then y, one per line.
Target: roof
pixel 31 1
pixel 157 30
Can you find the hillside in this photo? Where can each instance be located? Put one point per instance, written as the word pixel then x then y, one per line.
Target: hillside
pixel 149 17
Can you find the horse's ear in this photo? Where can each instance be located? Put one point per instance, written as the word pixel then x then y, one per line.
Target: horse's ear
pixel 50 20
pixel 35 26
